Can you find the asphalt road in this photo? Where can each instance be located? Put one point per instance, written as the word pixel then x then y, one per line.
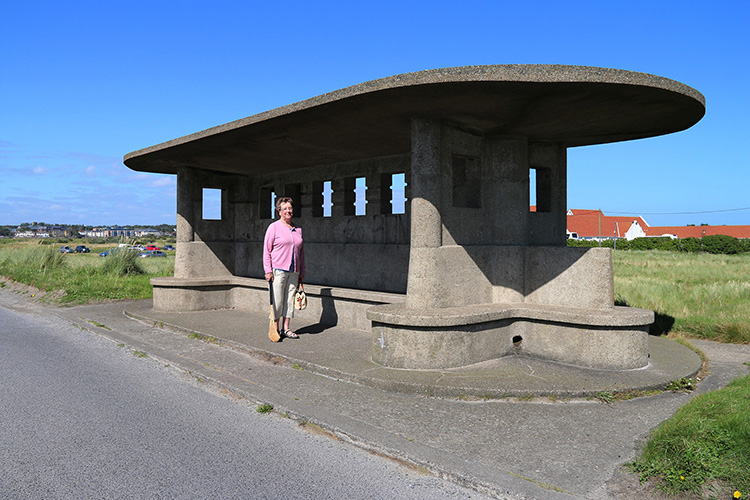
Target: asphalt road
pixel 81 417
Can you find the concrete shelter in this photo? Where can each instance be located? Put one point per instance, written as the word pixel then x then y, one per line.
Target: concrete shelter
pixel 468 273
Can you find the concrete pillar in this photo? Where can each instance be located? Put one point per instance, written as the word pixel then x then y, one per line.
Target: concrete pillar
pixel 423 285
pixel 312 200
pixel 550 222
pixel 342 203
pixel 378 194
pixel 505 170
pixel 186 186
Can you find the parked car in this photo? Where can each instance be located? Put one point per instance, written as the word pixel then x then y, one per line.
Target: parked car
pixel 66 249
pixel 168 247
pixel 152 247
pixel 111 251
pixel 152 253
pixel 82 249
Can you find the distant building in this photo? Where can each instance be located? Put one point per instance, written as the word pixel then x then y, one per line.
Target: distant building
pixel 148 232
pixel 97 232
pixel 41 231
pixel 594 225
pixel 120 232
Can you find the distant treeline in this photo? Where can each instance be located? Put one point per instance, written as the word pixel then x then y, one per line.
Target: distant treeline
pixel 715 244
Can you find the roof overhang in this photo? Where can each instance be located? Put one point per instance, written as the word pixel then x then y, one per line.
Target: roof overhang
pixel 570 105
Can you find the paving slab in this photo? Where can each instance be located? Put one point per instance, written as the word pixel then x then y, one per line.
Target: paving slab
pixel 345 354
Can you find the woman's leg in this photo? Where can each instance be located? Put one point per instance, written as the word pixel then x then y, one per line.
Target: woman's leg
pixel 279 297
pixel 291 288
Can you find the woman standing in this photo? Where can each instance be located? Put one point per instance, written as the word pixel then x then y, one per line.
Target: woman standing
pixel 284 264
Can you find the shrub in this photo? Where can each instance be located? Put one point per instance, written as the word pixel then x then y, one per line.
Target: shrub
pixel 122 263
pixel 721 244
pixel 690 245
pixel 715 244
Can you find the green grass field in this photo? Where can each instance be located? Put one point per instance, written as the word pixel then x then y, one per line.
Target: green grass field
pixel 83 278
pixel 694 295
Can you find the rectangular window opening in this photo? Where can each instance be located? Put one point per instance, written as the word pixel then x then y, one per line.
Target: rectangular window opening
pixel 398 193
pixel 266 209
pixel 532 190
pixel 360 192
pixel 326 194
pixel 212 200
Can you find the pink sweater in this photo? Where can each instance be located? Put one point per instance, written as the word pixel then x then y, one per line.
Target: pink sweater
pixel 279 245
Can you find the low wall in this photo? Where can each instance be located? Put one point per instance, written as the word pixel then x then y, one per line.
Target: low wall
pixel 329 305
pixel 614 338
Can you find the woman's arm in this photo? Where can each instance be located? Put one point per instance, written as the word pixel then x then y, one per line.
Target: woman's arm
pixel 267 248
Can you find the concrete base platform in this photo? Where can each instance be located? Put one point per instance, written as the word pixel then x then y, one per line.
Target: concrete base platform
pixel 345 354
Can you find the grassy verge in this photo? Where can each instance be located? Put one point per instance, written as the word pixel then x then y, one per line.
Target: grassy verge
pixel 694 295
pixel 707 440
pixel 83 278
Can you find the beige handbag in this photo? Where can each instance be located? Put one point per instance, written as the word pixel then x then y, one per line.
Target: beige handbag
pixel 300 298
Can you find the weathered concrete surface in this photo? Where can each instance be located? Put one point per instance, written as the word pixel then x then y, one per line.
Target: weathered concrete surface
pixel 571 105
pixel 466 140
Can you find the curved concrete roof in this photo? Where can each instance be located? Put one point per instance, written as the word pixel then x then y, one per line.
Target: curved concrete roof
pixel 573 105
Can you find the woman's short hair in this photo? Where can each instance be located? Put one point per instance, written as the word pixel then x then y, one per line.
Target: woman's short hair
pixel 284 199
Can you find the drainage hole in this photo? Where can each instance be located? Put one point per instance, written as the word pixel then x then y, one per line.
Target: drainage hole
pixel 517 341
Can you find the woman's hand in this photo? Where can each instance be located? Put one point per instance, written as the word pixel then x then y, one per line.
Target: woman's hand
pixel 269 277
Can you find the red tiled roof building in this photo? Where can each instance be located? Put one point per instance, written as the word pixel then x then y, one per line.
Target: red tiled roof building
pixel 593 224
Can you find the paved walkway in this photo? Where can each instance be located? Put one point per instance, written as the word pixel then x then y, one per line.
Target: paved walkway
pixel 551 447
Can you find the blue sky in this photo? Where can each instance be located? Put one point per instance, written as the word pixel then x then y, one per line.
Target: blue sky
pixel 82 83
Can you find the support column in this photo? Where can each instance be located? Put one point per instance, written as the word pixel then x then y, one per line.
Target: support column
pixel 550 222
pixel 378 194
pixel 505 168
pixel 186 213
pixel 186 187
pixel 423 286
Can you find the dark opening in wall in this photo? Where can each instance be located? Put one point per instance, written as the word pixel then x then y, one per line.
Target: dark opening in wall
pixel 467 182
pixel 294 191
pixel 350 183
pixel 317 199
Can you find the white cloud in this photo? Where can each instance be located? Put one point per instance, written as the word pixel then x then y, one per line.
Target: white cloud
pixel 90 170
pixel 39 170
pixel 164 180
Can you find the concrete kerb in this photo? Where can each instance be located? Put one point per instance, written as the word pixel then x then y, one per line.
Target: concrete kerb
pixel 345 355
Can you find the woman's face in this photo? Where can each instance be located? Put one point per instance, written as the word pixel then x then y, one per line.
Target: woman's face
pixel 286 212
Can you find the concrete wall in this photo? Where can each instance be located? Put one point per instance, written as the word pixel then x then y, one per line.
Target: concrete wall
pixel 474 237
pixel 368 252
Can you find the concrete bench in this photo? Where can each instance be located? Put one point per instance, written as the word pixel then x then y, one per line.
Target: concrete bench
pixel 603 338
pixel 345 307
